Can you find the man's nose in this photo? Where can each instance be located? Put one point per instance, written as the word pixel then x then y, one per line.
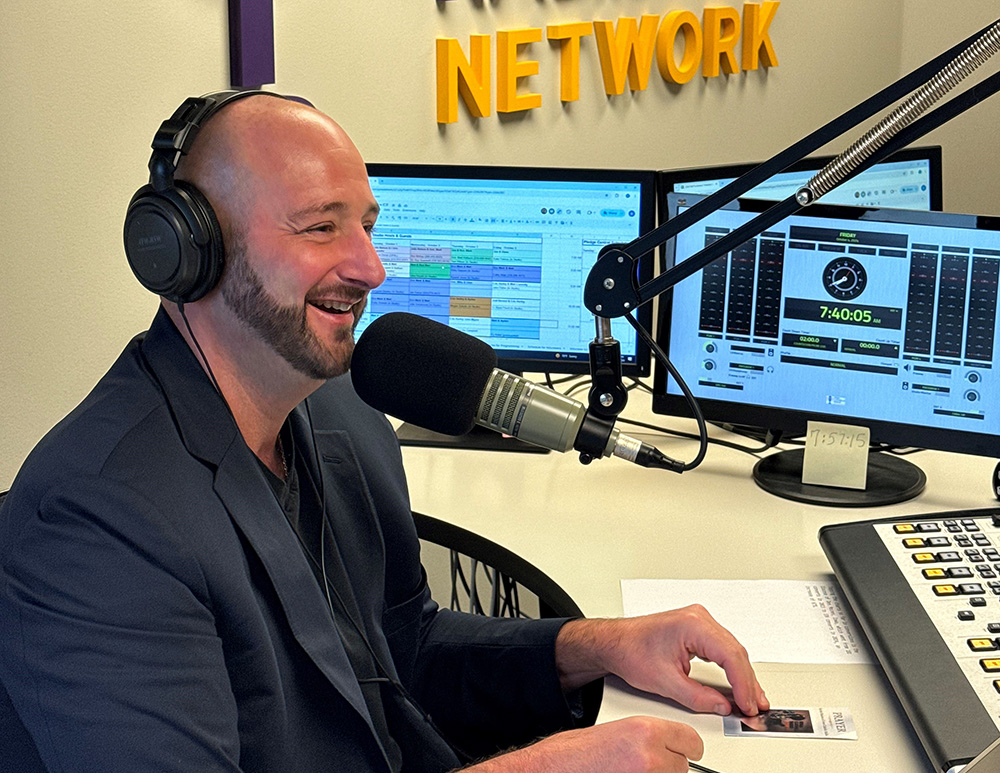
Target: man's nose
pixel 367 266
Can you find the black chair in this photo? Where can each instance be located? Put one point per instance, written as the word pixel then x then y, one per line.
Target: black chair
pixel 476 560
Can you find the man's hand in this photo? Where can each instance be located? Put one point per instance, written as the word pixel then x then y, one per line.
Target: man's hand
pixel 653 653
pixel 632 745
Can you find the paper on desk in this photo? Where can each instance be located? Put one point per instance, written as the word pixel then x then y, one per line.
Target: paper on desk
pixel 778 621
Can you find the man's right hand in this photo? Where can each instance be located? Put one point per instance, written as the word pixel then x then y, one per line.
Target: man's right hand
pixel 631 745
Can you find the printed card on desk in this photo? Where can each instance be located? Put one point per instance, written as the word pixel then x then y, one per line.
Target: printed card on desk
pixel 793 723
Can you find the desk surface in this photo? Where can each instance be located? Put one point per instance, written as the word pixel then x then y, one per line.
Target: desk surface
pixel 588 527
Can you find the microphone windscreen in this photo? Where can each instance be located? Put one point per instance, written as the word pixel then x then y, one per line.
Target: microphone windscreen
pixel 422 372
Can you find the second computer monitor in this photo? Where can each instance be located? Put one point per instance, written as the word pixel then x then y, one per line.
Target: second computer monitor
pixel 881 318
pixel 909 179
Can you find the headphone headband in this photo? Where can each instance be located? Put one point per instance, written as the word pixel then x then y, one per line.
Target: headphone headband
pixel 176 135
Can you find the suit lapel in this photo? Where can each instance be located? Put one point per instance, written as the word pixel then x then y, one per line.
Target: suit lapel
pixel 256 513
pixel 210 434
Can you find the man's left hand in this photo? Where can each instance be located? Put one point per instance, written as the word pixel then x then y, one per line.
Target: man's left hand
pixel 654 652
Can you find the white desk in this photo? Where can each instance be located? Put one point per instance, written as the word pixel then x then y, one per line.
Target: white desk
pixel 588 527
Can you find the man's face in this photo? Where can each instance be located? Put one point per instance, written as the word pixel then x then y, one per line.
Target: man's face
pixel 285 328
pixel 299 261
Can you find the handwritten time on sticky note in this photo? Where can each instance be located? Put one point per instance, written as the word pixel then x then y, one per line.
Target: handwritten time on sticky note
pixel 836 455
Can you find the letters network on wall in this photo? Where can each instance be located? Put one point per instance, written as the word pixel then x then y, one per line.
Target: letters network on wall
pixel 625 50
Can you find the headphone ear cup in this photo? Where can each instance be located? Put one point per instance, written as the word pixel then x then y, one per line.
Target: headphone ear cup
pixel 173 242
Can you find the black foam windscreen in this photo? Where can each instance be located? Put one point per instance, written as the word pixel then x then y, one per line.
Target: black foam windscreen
pixel 422 372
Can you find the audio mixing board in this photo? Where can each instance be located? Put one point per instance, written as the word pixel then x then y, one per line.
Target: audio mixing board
pixel 926 590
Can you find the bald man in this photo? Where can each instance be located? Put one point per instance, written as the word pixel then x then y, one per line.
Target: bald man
pixel 203 570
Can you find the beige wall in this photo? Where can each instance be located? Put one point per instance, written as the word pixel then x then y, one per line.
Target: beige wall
pixel 85 84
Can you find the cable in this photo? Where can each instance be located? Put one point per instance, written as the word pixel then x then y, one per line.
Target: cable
pixel 322 532
pixel 897 450
pixel 552 384
pixel 661 356
pixel 691 436
pixel 700 768
pixel 637 384
pixel 204 359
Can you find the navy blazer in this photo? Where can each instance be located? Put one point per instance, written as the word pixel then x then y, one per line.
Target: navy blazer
pixel 158 614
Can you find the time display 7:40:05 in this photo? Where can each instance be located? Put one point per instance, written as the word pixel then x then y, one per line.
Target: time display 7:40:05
pixel 844 313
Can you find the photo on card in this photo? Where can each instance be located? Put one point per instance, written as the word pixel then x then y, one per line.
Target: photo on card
pixel 779 721
pixel 811 722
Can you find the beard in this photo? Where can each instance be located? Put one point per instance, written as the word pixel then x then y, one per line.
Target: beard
pixel 284 328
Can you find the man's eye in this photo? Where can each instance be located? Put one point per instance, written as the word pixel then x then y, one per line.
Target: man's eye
pixel 320 228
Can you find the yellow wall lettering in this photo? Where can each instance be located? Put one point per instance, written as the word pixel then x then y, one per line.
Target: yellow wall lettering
pixel 722 32
pixel 757 20
pixel 457 75
pixel 509 70
pixel 673 23
pixel 569 36
pixel 629 49
pixel 682 43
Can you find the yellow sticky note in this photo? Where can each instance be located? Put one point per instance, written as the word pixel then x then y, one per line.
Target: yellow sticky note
pixel 836 455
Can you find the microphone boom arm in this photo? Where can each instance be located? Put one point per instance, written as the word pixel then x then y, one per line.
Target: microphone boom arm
pixel 612 289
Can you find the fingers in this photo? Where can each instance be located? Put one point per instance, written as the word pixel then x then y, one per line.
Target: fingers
pixel 663 740
pixel 713 642
pixel 631 745
pixel 684 740
pixel 700 697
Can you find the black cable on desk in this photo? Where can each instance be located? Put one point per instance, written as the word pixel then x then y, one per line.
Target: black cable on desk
pixel 692 436
pixel 700 768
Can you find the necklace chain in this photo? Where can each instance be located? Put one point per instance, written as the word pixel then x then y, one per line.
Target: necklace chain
pixel 281 455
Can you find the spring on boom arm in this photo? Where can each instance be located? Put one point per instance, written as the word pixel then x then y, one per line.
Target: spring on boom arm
pixel 916 104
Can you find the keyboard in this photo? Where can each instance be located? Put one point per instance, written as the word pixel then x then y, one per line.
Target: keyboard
pixel 926 590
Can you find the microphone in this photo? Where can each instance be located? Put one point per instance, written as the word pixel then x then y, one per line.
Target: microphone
pixel 444 380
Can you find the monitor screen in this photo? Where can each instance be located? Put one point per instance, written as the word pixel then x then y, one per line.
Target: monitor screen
pixel 909 179
pixel 880 318
pixel 502 253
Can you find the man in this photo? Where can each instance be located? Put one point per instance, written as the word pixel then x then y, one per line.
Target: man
pixel 200 571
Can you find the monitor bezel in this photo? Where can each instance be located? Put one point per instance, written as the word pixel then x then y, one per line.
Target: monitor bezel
pixel 668 178
pixel 792 422
pixel 514 360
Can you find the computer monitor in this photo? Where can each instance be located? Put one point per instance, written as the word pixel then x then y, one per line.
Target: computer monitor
pixel 502 253
pixel 909 179
pixel 875 317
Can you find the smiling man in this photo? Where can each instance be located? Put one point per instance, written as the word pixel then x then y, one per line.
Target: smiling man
pixel 210 565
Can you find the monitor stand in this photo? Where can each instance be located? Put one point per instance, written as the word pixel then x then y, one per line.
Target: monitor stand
pixel 479 438
pixel 890 480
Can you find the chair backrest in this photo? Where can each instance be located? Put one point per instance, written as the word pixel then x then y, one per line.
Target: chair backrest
pixel 475 559
pixel 17 751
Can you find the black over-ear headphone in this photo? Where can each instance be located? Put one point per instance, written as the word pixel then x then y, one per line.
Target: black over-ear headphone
pixel 173 241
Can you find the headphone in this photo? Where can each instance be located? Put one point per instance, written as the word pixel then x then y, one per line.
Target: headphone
pixel 173 240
